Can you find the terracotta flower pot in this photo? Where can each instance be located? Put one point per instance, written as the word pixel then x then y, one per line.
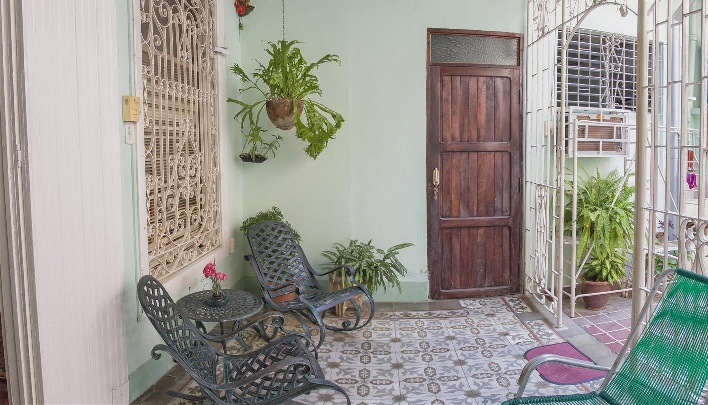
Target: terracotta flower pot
pixel 285 297
pixel 595 302
pixel 340 309
pixel 280 112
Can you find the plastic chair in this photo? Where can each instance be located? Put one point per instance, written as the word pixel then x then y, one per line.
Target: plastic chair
pixel 668 364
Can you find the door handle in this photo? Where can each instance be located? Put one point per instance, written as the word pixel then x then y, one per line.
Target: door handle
pixel 436 182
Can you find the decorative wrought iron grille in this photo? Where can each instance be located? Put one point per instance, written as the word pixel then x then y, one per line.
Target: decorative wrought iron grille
pixel 181 137
pixel 601 70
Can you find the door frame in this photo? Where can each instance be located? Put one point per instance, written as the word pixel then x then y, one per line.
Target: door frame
pixel 18 303
pixel 432 127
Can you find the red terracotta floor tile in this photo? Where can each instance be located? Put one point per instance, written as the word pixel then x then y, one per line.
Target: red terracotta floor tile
pixel 620 335
pixel 592 329
pixel 615 347
pixel 600 318
pixel 610 326
pixel 605 338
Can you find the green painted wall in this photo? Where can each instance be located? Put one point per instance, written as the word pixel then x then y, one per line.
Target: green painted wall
pixel 370 182
pixel 140 334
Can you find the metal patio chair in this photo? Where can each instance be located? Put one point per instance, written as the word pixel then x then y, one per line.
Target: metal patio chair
pixel 668 364
pixel 288 281
pixel 280 371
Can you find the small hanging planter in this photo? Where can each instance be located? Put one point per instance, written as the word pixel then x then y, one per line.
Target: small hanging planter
pixel 248 158
pixel 281 113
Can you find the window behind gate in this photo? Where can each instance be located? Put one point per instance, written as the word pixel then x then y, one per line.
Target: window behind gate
pixel 181 133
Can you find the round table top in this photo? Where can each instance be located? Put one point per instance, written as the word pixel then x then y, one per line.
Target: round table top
pixel 240 305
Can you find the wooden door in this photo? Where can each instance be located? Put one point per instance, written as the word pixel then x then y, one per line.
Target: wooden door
pixel 474 150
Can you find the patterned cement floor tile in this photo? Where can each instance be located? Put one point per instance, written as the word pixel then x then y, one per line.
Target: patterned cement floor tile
pixel 378 329
pixel 366 382
pixel 480 306
pixel 368 352
pixel 494 399
pixel 543 332
pixel 432 380
pixel 421 329
pixel 439 351
pixel 517 304
pixel 496 375
pixel 451 313
pixel 452 357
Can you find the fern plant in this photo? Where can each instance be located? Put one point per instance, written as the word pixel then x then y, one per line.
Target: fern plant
pixel 373 267
pixel 273 214
pixel 606 224
pixel 289 76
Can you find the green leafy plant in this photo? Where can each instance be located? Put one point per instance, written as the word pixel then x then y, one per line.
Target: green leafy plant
pixel 256 145
pixel 289 76
pixel 373 267
pixel 273 214
pixel 672 261
pixel 605 222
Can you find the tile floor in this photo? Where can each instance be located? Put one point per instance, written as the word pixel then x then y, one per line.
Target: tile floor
pixel 610 326
pixel 450 352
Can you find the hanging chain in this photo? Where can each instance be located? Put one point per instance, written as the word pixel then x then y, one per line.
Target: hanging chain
pixel 283 6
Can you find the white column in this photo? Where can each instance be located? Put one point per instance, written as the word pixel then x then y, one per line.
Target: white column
pixel 638 270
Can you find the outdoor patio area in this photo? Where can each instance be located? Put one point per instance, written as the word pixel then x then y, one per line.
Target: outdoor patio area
pixel 437 352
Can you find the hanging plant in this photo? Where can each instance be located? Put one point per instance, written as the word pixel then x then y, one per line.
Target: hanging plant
pixel 242 9
pixel 289 81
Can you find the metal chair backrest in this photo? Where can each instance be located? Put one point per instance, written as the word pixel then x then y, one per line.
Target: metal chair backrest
pixel 669 362
pixel 179 333
pixel 279 258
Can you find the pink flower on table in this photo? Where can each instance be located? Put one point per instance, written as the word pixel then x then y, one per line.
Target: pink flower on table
pixel 220 276
pixel 209 270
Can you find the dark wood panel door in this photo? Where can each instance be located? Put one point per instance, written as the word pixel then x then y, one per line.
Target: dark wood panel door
pixel 474 181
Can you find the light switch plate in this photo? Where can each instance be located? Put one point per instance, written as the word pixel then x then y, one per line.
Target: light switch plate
pixel 131 108
pixel 232 245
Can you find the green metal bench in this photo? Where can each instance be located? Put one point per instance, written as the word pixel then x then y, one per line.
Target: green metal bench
pixel 668 364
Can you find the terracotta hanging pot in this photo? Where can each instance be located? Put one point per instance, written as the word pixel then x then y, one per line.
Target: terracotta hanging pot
pixel 280 112
pixel 595 302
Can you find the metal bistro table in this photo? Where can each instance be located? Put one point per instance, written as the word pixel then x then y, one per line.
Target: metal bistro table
pixel 239 305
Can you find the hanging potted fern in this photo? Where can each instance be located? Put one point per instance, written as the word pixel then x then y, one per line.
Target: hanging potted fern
pixel 290 84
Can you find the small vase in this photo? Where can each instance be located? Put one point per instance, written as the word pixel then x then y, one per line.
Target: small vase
pixel 216 300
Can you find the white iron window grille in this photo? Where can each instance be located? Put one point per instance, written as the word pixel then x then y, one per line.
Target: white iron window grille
pixel 601 70
pixel 181 133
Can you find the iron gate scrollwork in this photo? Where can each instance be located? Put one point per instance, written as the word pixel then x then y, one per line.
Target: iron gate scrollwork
pixel 181 139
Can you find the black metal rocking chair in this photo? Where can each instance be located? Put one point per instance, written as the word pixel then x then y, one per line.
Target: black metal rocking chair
pixel 280 371
pixel 288 281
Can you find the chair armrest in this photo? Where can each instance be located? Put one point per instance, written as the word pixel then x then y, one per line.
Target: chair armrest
pixel 273 368
pixel 349 270
pixel 545 358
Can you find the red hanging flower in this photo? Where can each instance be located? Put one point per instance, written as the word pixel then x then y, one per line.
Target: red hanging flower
pixel 242 7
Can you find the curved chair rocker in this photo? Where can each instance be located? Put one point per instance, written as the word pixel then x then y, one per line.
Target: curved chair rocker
pixel 668 364
pixel 280 371
pixel 288 281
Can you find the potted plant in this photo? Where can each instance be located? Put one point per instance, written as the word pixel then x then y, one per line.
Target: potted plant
pixel 216 299
pixel 273 214
pixel 290 82
pixel 605 220
pixel 256 149
pixel 373 267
